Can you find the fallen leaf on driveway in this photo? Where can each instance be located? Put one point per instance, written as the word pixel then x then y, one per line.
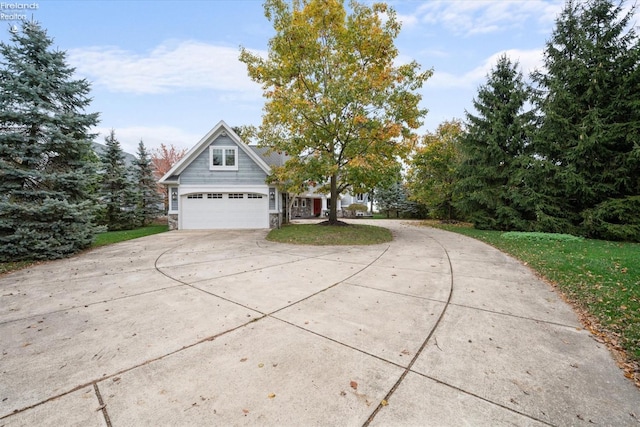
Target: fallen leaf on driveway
pixel 384 402
pixel 354 385
pixel 271 395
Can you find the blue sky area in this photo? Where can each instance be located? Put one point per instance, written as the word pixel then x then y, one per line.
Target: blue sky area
pixel 168 71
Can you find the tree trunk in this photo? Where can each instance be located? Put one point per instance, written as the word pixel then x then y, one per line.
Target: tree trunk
pixel 290 201
pixel 333 209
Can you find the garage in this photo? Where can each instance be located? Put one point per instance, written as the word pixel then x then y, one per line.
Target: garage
pixel 224 210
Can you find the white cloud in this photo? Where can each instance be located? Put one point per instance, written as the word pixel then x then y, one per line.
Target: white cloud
pixel 528 61
pixel 407 21
pixel 170 66
pixel 468 18
pixel 152 137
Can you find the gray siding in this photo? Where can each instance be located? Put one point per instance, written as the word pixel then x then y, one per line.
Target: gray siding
pixel 198 173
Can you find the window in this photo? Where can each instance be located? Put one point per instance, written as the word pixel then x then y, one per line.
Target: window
pixel 214 195
pixel 295 203
pixel 254 196
pixel 195 196
pixel 360 197
pixel 236 195
pixel 304 203
pixel 223 158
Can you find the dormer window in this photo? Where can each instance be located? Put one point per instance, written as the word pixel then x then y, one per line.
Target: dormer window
pixel 223 158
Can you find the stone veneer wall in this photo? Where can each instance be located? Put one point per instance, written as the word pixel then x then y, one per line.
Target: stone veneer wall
pixel 302 212
pixel 173 221
pixel 275 220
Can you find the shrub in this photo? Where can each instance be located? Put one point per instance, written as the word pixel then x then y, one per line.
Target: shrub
pixel 525 235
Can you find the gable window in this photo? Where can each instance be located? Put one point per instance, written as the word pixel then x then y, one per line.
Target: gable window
pixel 223 158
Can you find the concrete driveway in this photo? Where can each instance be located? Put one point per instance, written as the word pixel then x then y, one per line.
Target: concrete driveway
pixel 225 328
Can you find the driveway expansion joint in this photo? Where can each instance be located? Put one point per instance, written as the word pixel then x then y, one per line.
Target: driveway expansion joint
pixel 424 344
pixel 103 406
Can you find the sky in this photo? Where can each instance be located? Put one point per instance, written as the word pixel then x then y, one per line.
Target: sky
pixel 168 71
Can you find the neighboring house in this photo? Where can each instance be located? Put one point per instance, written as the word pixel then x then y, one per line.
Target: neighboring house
pixel 221 183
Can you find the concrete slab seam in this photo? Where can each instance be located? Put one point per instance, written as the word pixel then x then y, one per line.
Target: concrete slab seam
pixel 334 285
pixel 92 304
pixel 243 272
pixel 131 368
pixel 547 322
pixel 225 299
pixel 225 259
pixel 350 347
pixel 103 406
pixel 159 269
pixel 422 347
pixel 484 399
pixel 398 293
pixel 194 286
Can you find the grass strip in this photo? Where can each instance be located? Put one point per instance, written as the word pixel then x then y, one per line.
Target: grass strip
pixel 321 235
pixel 110 237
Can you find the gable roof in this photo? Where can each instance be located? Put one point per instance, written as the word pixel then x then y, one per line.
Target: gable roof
pixel 218 130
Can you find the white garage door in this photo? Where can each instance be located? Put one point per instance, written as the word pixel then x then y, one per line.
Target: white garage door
pixel 224 210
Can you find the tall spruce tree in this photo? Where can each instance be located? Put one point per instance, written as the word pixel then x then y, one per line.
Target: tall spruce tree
pixel 116 190
pixel 588 139
pixel 148 200
pixel 46 161
pixel 492 190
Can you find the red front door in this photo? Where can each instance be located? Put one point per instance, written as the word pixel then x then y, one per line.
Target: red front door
pixel 317 207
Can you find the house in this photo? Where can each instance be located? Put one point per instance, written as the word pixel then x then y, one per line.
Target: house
pixel 221 183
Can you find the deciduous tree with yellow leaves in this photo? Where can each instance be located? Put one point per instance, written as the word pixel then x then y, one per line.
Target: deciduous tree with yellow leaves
pixel 432 172
pixel 336 101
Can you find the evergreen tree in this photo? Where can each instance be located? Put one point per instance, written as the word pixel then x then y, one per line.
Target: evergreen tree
pixel 116 191
pixel 47 164
pixel 492 190
pixel 148 199
pixel 393 198
pixel 588 100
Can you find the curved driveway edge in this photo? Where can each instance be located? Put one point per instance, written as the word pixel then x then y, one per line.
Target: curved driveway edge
pixel 225 328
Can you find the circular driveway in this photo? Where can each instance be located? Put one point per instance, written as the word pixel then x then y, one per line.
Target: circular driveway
pixel 226 328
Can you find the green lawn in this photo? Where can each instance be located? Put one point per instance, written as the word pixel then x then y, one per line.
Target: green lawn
pixel 101 239
pixel 315 234
pixel 110 237
pixel 601 278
